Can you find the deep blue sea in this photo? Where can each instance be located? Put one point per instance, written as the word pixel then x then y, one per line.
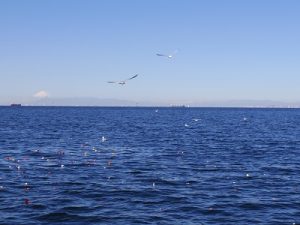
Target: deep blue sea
pixel 97 165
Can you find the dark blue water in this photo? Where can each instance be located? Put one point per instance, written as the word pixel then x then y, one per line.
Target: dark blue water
pixel 174 166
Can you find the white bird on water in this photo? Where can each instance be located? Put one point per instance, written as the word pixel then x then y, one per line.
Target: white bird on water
pixel 122 82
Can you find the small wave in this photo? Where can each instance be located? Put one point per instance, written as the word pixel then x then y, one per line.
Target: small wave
pixel 66 217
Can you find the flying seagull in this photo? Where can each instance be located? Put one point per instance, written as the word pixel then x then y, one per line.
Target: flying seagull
pixel 122 82
pixel 169 56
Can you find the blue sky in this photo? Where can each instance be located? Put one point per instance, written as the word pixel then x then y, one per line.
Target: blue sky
pixel 227 49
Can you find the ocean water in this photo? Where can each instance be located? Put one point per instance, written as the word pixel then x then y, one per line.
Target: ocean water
pixel 77 165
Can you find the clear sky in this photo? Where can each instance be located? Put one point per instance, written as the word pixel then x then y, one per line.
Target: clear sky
pixel 228 50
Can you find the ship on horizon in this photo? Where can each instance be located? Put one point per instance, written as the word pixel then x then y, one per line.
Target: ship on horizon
pixel 15 105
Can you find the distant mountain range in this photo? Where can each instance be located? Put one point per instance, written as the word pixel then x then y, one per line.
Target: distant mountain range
pixel 86 101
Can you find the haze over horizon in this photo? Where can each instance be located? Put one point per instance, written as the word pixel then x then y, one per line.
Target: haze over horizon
pixel 228 51
pixel 108 102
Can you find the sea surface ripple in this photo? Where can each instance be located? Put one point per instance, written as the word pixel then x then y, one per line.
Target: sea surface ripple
pixel 106 165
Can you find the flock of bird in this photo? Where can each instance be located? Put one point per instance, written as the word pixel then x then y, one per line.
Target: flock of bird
pixel 122 82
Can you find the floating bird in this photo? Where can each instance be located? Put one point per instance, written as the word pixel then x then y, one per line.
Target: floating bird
pixel 122 82
pixel 169 56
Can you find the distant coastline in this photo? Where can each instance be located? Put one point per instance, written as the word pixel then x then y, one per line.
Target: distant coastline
pixel 107 102
pixel 148 106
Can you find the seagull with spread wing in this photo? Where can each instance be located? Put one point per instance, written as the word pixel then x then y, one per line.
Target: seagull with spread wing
pixel 122 82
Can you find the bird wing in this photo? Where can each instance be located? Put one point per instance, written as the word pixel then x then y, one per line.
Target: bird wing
pixel 158 54
pixel 132 77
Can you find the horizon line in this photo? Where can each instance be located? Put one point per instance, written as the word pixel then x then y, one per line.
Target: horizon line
pixel 151 106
